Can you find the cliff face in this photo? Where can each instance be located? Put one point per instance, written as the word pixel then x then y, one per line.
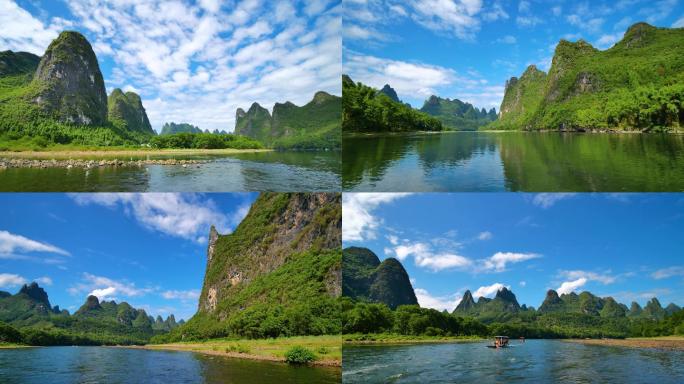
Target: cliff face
pixel 127 110
pixel 365 277
pixel 523 95
pixel 280 232
pixel 255 123
pixel 69 83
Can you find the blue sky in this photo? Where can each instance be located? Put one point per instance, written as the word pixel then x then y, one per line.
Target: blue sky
pixel 147 249
pixel 467 49
pixel 194 61
pixel 628 246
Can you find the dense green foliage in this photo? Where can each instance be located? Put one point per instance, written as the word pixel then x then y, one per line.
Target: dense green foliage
pixel 457 115
pixel 367 110
pixel 95 323
pixel 299 355
pixel 314 126
pixel 365 277
pixel 638 84
pixel 17 63
pixel 203 141
pixel 125 110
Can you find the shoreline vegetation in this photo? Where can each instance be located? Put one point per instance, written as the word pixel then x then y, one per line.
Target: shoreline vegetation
pixel 326 349
pixel 662 342
pixel 418 133
pixel 390 339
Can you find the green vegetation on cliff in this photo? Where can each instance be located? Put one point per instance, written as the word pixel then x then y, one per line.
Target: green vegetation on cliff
pixel 277 274
pixel 313 126
pixel 638 84
pixel 366 110
pixel 126 111
pixel 59 100
pixel 172 128
pixel 204 141
pixel 29 313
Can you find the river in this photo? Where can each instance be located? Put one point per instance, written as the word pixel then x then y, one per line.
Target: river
pixel 514 161
pixel 57 365
pixel 265 171
pixel 536 361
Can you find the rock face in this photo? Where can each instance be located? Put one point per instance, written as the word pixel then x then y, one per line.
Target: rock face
pixel 127 110
pixel 390 92
pixel 319 118
pixel 503 304
pixel 18 63
pixel 280 232
pixel 69 82
pixel 524 94
pixel 467 302
pixel 36 293
pixel 364 277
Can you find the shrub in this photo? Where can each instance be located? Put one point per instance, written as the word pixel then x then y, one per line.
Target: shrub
pixel 299 355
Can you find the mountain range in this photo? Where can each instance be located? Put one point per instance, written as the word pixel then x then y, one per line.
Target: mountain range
pixel 95 322
pixel 636 85
pixel 315 125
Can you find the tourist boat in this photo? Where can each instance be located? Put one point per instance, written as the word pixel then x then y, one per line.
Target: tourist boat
pixel 499 342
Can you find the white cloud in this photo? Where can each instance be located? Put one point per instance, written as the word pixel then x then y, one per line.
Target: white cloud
pixel 45 280
pixel 604 278
pixel 182 215
pixel 489 290
pixel 666 273
pixel 417 81
pixel 498 261
pixel 557 10
pixel 548 200
pixel 20 31
pixel 496 12
pixel 586 24
pixel 8 280
pixel 439 303
pixel 358 221
pixel 192 294
pixel 528 21
pixel 679 23
pixel 524 6
pixel 486 235
pixel 11 244
pixel 423 256
pixel 106 288
pixel 523 283
pixel 570 286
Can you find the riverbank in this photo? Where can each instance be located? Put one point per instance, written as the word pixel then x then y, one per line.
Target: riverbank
pixel 384 339
pixel 14 345
pixel 109 152
pixel 327 349
pixel 664 342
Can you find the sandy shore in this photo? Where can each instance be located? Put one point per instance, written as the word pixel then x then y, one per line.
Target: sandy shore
pixel 80 154
pixel 220 350
pixel 668 342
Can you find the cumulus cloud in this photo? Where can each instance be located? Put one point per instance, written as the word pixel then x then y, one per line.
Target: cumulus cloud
pixel 608 40
pixel 198 61
pixel 666 273
pixel 679 23
pixel 424 256
pixel 489 290
pixel 358 220
pixel 548 200
pixel 183 215
pixel 603 278
pixel 106 288
pixel 570 286
pixel 498 261
pixel 45 280
pixel 8 280
pixel 440 303
pixel 13 246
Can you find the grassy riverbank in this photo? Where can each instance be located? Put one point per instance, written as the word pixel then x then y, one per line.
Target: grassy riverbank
pixel 663 342
pixel 63 153
pixel 386 338
pixel 327 349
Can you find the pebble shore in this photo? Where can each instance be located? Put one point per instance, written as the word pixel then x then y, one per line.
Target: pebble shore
pixel 71 163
